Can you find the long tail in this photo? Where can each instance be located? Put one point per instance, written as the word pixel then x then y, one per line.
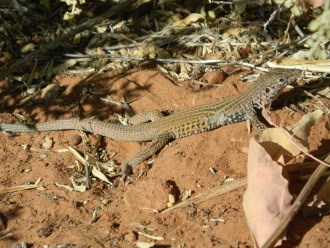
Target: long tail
pixel 113 131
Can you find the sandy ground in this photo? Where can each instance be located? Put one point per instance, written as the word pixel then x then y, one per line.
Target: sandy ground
pixel 56 216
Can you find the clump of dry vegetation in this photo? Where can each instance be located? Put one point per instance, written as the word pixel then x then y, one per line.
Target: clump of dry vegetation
pixel 43 38
pixel 184 39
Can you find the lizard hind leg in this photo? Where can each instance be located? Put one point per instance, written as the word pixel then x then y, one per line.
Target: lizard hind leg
pixel 155 145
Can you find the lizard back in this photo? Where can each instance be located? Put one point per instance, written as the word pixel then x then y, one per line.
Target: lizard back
pixel 230 110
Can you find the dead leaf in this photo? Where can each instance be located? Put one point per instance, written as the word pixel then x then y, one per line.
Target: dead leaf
pixel 325 92
pixel 22 187
pixel 302 129
pixel 100 175
pixel 279 146
pixel 192 18
pixel 76 187
pixel 144 244
pixel 267 199
pixel 66 187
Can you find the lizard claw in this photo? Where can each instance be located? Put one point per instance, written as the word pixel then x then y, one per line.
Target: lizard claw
pixel 124 173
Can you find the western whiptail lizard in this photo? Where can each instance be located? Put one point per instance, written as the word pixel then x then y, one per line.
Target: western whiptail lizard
pixel 181 124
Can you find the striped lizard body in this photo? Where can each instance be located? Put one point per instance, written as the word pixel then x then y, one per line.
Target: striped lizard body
pixel 180 124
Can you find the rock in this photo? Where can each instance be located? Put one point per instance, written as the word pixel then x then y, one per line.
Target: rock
pixel 214 77
pixel 131 237
pixel 75 140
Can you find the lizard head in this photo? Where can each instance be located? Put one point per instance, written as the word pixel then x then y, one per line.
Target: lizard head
pixel 272 84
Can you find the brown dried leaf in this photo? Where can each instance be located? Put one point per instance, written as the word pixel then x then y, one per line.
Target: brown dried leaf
pixel 190 19
pixel 279 146
pixel 325 92
pixel 267 199
pixel 140 244
pixel 100 175
pixel 302 129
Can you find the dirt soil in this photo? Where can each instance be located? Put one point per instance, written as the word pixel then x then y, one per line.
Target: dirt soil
pixel 118 215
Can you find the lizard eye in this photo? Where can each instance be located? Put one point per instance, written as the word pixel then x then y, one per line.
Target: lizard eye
pixel 281 80
pixel 267 90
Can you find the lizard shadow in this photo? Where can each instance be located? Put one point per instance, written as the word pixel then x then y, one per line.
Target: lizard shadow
pixel 80 97
pixel 6 217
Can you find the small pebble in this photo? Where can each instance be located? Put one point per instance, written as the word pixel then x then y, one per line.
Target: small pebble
pixel 131 237
pixel 75 140
pixel 214 77
pixel 48 143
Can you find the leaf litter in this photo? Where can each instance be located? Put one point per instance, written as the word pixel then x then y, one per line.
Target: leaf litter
pixel 204 35
pixel 267 200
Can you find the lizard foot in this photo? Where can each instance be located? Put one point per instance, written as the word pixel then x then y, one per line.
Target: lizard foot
pixel 124 173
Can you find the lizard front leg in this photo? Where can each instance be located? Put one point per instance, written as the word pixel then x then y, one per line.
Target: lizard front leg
pixel 251 115
pixel 257 123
